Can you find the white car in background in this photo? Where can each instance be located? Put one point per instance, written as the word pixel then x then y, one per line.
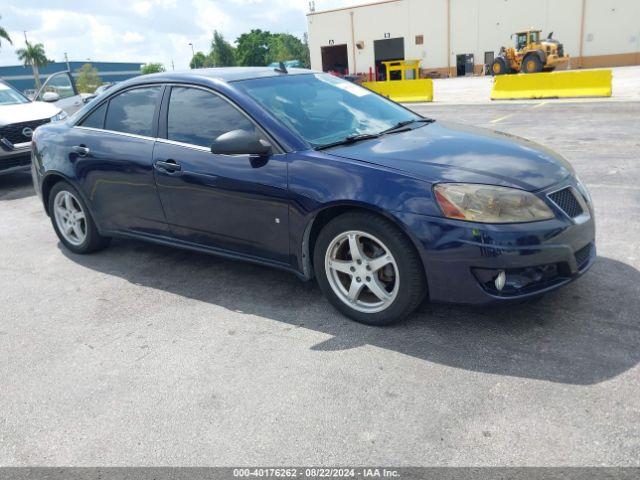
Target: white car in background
pixel 19 117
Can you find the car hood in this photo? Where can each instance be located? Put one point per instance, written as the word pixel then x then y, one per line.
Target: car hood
pixel 25 112
pixel 448 152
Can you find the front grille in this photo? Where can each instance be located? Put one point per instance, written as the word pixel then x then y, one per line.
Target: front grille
pixel 12 162
pixel 582 256
pixel 13 132
pixel 567 201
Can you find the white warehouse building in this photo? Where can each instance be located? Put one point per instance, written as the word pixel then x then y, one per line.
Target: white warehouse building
pixel 457 37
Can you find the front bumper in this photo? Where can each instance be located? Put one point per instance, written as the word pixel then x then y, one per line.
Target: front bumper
pixel 459 256
pixel 17 159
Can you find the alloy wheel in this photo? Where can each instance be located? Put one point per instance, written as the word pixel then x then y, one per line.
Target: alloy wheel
pixel 362 271
pixel 70 218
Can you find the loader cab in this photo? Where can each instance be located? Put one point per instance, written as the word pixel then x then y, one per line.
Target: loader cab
pixel 524 39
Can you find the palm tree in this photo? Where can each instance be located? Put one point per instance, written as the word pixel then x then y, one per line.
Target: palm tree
pixel 33 55
pixel 5 35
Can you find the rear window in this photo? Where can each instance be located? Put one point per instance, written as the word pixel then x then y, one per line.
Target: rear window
pixel 132 111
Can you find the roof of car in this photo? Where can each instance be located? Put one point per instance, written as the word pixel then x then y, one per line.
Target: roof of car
pixel 227 74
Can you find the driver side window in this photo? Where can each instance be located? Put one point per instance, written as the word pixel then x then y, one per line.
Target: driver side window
pixel 198 117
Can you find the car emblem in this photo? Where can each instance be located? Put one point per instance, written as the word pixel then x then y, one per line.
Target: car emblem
pixel 27 132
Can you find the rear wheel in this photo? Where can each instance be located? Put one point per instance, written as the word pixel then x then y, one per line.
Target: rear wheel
pixel 499 66
pixel 368 269
pixel 72 220
pixel 531 64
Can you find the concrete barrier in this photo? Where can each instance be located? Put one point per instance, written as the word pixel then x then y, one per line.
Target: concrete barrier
pixel 420 90
pixel 565 84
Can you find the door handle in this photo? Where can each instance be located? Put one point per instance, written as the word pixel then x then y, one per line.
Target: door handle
pixel 170 166
pixel 81 150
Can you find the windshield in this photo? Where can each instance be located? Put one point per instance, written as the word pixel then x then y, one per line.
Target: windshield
pixel 324 109
pixel 10 96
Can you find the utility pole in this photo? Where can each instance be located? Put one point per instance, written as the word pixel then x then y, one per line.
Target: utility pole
pixel 66 59
pixel 173 67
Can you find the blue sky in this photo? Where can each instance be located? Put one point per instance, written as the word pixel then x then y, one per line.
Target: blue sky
pixel 144 30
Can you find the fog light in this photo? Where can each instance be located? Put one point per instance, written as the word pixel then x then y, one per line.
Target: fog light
pixel 500 280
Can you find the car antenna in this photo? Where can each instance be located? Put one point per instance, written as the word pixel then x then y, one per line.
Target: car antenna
pixel 282 68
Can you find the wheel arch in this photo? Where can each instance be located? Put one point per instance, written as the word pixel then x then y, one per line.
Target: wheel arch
pixel 542 56
pixel 323 216
pixel 52 178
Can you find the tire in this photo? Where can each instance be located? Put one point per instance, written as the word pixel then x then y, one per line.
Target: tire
pixel 72 220
pixel 499 67
pixel 531 64
pixel 388 264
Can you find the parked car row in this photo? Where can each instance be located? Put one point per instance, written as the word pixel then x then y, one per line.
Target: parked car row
pixel 320 177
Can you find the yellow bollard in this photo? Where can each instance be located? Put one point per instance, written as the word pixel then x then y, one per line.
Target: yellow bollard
pixel 565 84
pixel 420 90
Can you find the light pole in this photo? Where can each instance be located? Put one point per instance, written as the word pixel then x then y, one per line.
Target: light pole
pixel 193 53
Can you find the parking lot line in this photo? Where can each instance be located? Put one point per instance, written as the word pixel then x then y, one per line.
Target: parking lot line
pixel 499 119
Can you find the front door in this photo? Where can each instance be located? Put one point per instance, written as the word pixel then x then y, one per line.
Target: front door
pixel 233 203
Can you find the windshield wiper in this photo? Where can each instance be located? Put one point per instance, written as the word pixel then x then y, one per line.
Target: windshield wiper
pixel 398 127
pixel 350 139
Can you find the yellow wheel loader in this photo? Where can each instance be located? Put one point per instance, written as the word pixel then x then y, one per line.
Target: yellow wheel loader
pixel 530 55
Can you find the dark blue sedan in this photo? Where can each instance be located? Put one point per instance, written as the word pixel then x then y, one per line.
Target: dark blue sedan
pixel 315 175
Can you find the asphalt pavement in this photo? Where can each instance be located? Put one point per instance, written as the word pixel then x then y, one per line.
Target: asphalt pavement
pixel 146 355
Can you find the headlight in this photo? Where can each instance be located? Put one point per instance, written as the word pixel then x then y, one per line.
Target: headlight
pixel 489 204
pixel 61 115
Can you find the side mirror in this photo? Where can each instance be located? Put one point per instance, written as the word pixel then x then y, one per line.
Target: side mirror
pixel 50 97
pixel 241 142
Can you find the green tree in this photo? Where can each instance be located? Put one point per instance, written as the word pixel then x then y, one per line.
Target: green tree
pixel 197 61
pixel 87 80
pixel 151 68
pixel 222 52
pixel 283 47
pixel 33 55
pixel 253 48
pixel 4 34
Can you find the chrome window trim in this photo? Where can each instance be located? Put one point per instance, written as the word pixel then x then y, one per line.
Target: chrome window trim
pixel 182 144
pixel 584 216
pixel 114 132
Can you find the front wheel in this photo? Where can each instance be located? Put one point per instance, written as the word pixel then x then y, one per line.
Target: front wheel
pixel 368 269
pixel 532 64
pixel 499 67
pixel 72 220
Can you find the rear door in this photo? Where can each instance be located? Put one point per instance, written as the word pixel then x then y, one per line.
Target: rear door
pixel 233 202
pixel 112 151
